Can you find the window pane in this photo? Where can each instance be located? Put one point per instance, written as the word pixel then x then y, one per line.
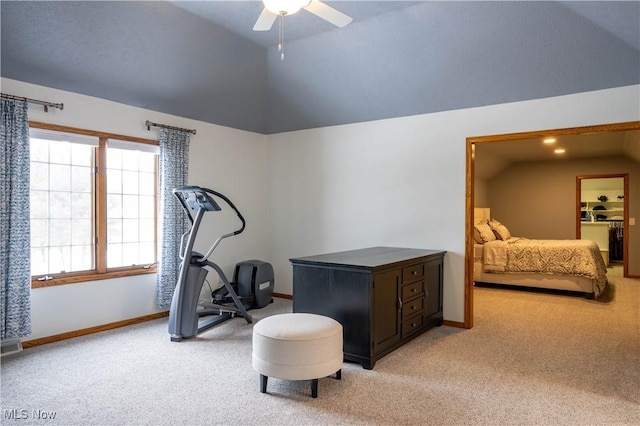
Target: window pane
pixel 39 261
pixel 39 176
pixel 59 152
pixel 114 255
pixel 114 181
pixel 129 182
pixel 114 205
pixel 130 230
pixel 81 205
pixel 39 233
pixel 147 162
pixel 60 205
pixel 81 155
pixel 131 212
pixel 147 230
pixel 130 254
pixel 81 179
pixel 60 259
pixel 59 177
pixel 114 158
pixel 39 207
pixel 147 183
pixel 147 253
pixel 81 232
pixel 39 150
pixel 81 258
pixel 129 160
pixel 129 206
pixel 147 207
pixel 114 230
pixel 59 232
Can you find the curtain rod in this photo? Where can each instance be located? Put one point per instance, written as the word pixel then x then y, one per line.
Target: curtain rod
pixel 149 124
pixel 33 101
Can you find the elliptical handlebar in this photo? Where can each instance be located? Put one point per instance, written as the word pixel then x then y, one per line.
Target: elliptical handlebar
pixel 196 198
pixel 228 201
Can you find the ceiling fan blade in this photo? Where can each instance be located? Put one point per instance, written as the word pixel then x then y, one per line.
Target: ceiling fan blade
pixel 328 13
pixel 265 20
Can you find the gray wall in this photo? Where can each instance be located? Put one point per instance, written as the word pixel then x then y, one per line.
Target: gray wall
pixel 480 194
pixel 537 199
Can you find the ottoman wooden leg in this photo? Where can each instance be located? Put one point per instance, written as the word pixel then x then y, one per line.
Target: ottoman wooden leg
pixel 263 383
pixel 339 374
pixel 314 388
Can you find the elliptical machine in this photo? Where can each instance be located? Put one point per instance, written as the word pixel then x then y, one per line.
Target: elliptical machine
pixel 252 285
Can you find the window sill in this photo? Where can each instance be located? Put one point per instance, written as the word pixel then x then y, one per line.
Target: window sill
pixel 73 279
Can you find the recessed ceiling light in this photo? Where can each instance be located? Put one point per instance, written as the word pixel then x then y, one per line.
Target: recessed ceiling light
pixel 549 140
pixel 559 151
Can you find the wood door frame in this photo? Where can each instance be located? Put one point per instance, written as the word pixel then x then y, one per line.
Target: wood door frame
pixel 470 190
pixel 625 213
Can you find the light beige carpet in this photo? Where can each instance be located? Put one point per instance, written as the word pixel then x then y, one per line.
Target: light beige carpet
pixel 532 358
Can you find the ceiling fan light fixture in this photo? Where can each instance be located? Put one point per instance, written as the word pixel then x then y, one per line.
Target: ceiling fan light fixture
pixel 285 7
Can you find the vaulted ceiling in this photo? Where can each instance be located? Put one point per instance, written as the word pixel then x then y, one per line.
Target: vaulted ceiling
pixel 202 60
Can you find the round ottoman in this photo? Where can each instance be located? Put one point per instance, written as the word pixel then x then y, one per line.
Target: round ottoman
pixel 297 346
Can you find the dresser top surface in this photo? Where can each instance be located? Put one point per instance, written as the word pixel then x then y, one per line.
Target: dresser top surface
pixel 371 257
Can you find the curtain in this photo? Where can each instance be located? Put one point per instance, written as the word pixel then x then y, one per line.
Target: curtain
pixel 174 168
pixel 15 240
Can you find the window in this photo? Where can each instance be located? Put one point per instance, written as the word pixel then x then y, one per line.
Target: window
pixel 93 205
pixel 131 205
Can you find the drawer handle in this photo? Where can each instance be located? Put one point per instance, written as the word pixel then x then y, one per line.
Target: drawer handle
pixel 413 290
pixel 413 307
pixel 414 272
pixel 399 303
pixel 413 324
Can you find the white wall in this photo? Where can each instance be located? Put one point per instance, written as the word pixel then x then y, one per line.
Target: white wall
pixel 397 182
pixel 228 160
pixel 401 182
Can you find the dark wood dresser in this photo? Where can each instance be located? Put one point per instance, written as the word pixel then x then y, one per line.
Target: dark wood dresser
pixel 382 296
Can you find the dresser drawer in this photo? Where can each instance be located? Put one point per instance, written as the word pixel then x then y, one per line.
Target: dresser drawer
pixel 409 291
pixel 412 325
pixel 412 307
pixel 413 272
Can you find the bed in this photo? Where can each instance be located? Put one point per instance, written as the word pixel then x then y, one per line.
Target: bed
pixel 571 265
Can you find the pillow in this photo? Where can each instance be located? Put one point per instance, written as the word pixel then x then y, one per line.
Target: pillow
pixel 501 231
pixel 484 231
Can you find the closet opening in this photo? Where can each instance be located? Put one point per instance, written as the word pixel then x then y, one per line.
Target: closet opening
pixel 603 214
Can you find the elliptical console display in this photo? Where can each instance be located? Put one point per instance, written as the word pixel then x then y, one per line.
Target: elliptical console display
pixel 253 280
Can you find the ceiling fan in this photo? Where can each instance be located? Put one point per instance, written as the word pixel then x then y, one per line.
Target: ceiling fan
pixel 274 9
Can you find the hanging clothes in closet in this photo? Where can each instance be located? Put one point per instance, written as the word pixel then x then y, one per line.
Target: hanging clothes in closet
pixel 616 239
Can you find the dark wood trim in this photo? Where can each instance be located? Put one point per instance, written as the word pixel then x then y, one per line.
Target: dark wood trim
pixel 100 209
pixel 614 127
pixel 468 247
pixel 124 323
pixel 470 190
pixel 91 276
pixel 106 135
pixel 92 330
pixel 283 296
pixel 457 324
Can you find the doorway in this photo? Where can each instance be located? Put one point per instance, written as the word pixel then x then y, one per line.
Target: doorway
pixel 473 143
pixel 603 215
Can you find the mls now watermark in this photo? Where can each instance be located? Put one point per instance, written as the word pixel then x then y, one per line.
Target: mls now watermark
pixel 24 414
